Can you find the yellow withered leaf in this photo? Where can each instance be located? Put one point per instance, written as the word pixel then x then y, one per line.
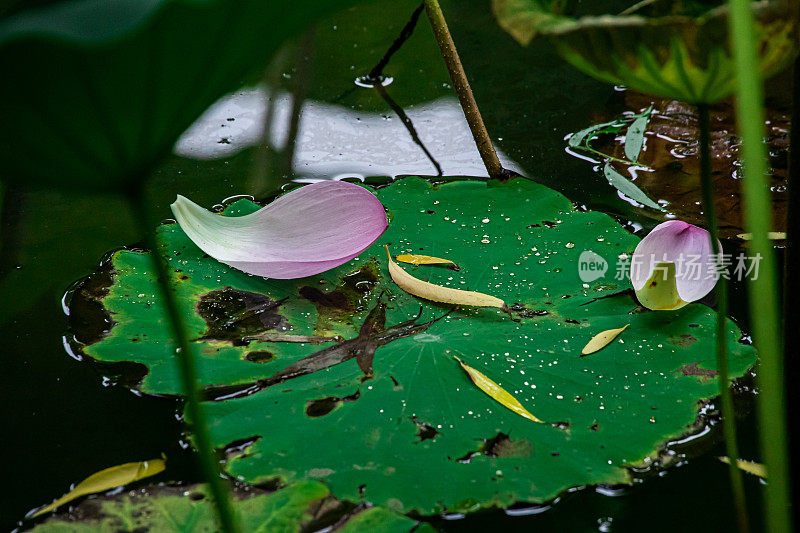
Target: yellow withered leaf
pixel 496 391
pixel 107 479
pixel 601 340
pixel 757 469
pixel 771 235
pixel 415 260
pixel 437 293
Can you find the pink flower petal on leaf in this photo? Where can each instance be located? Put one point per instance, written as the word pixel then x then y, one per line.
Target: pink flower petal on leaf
pixel 307 231
pixel 688 247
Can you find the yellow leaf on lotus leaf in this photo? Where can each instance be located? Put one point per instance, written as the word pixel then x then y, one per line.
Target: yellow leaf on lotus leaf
pixel 601 340
pixel 107 479
pixel 496 391
pixel 437 293
pixel 417 260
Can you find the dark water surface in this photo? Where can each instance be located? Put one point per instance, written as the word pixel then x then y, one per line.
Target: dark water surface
pixel 64 420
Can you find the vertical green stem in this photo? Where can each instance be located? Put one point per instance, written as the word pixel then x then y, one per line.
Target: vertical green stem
pixel 463 90
pixel 728 412
pixel 205 451
pixel 763 289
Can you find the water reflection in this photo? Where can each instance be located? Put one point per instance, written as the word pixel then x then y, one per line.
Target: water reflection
pixel 335 141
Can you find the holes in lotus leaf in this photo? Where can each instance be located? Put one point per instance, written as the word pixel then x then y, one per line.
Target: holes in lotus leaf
pixel 259 356
pixel 424 431
pixel 683 341
pixel 341 304
pixel 324 406
pixel 238 448
pixel 501 445
pixel 693 370
pixel 523 312
pixel 232 314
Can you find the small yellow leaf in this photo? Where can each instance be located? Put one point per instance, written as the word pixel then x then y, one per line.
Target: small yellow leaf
pixel 496 391
pixel 757 469
pixel 601 340
pixel 116 476
pixel 417 260
pixel 772 235
pixel 437 293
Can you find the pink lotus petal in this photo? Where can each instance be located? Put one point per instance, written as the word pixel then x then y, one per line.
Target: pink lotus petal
pixel 307 231
pixel 685 245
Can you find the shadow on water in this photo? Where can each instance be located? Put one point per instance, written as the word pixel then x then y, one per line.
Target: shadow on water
pixel 66 425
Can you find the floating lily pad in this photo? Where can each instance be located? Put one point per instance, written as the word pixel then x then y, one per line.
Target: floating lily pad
pixel 304 506
pixel 379 406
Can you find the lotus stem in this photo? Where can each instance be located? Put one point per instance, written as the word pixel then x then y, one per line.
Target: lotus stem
pixel 728 412
pixel 763 289
pixel 264 179
pixel 463 91
pixel 206 456
pixel 299 90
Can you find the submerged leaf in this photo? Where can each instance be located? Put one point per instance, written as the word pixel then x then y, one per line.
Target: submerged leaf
pixel 585 135
pixel 307 231
pixel 634 137
pixel 422 260
pixel 626 187
pixel 437 293
pixel 496 391
pixel 601 340
pixel 116 476
pixel 751 467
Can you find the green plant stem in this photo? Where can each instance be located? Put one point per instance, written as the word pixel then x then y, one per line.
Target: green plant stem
pixel 763 289
pixel 205 452
pixel 463 90
pixel 728 412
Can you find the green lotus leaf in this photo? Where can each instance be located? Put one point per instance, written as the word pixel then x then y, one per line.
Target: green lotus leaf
pixel 356 383
pixel 100 91
pixel 675 56
pixel 303 506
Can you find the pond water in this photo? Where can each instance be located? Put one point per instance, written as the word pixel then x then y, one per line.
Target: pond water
pixel 65 419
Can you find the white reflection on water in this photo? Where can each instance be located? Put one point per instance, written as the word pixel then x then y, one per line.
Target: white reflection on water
pixel 335 141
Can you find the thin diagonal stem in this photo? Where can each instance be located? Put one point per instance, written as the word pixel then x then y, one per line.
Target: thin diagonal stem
pixel 764 288
pixel 728 413
pixel 463 90
pixel 185 358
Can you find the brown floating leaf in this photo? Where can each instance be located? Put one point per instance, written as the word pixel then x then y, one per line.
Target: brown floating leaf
pixel 496 391
pixel 757 469
pixel 112 477
pixel 601 340
pixel 437 293
pixel 416 260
